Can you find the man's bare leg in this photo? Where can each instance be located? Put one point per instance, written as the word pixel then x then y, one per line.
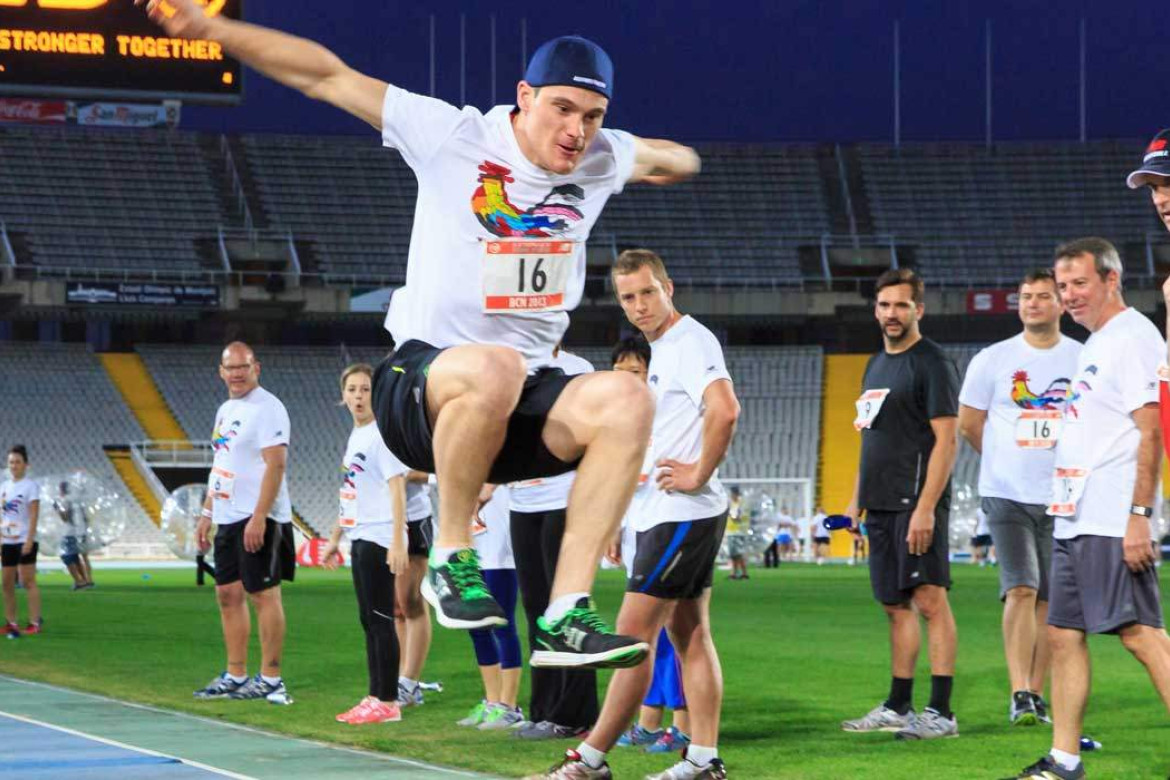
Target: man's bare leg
pixel 642 617
pixel 1148 645
pixel 1070 687
pixel 270 616
pixel 905 639
pixel 690 632
pixel 1042 657
pixel 237 625
pixel 1019 636
pixel 9 585
pixel 608 417
pixel 471 392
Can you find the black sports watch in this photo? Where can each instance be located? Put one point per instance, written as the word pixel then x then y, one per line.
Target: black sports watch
pixel 1143 511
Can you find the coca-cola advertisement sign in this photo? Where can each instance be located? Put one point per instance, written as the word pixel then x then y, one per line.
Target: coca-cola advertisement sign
pixel 33 111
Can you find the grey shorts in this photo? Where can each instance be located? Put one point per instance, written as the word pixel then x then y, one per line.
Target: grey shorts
pixel 1093 590
pixel 1023 544
pixel 736 545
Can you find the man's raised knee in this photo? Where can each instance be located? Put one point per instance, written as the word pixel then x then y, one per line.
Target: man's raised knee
pixel 630 399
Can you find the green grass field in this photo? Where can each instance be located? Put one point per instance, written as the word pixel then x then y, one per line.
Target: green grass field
pixel 802 648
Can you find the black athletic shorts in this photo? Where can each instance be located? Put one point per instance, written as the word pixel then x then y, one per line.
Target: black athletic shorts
pixel 400 406
pixel 420 537
pixel 677 560
pixel 893 572
pixel 981 540
pixel 275 561
pixel 1092 590
pixel 10 555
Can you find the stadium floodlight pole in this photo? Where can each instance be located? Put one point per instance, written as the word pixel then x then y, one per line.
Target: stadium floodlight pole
pixel 1084 82
pixel 523 44
pixel 897 84
pixel 987 78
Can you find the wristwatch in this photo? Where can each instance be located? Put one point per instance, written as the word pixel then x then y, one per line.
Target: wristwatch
pixel 1143 511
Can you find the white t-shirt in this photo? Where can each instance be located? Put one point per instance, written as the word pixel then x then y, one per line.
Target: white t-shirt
pixel 982 528
pixel 365 508
pixel 1097 454
pixel 547 494
pixel 785 529
pixel 491 532
pixel 1023 390
pixel 817 527
pixel 15 500
pixel 244 427
pixel 683 362
pixel 475 186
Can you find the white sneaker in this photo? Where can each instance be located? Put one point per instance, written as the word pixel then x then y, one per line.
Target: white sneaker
pixel 686 770
pixel 880 718
pixel 930 725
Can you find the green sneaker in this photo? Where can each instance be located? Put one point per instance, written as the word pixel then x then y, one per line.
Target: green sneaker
pixel 457 592
pixel 476 716
pixel 582 639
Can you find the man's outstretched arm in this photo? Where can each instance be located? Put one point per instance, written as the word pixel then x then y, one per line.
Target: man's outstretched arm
pixel 663 162
pixel 304 65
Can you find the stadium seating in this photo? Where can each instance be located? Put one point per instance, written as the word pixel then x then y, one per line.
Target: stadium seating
pixel 973 214
pixel 59 402
pixel 741 222
pixel 779 390
pixel 87 198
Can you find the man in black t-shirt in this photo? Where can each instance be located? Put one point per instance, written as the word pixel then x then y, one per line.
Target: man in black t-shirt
pixel 907 415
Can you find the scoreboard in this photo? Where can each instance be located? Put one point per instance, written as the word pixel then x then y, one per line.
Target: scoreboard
pixel 109 49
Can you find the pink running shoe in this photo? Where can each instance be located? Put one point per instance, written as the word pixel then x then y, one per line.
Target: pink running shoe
pixel 377 711
pixel 349 714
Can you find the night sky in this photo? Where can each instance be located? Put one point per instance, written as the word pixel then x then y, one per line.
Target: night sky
pixel 745 70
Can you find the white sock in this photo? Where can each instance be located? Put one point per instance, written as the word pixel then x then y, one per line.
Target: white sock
pixel 270 680
pixel 1069 761
pixel 238 680
pixel 560 607
pixel 701 756
pixel 443 554
pixel 408 683
pixel 591 756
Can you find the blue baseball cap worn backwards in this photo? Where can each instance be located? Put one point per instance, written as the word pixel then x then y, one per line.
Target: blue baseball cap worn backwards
pixel 571 61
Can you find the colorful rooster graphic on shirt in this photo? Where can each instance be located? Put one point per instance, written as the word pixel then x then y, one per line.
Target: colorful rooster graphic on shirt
pixel 496 212
pixel 223 440
pixel 11 507
pixel 351 471
pixel 1053 397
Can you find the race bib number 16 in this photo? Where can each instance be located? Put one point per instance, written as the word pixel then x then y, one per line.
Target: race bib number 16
pixel 520 275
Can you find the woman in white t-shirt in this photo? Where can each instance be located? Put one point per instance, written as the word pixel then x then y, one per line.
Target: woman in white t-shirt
pixel 20 501
pixel 372 513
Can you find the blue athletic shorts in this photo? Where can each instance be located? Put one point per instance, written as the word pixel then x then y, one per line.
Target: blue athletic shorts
pixel 666 689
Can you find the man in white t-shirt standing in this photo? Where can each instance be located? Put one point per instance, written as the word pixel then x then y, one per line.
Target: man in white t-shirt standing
pixel 1103 487
pixel 1011 411
pixel 680 522
pixel 247 500
pixel 506 202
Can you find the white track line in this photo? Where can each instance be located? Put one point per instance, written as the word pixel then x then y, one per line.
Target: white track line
pixel 247 729
pixel 124 746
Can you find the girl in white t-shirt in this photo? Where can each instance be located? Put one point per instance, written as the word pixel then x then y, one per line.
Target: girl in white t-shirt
pixel 372 513
pixel 20 501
